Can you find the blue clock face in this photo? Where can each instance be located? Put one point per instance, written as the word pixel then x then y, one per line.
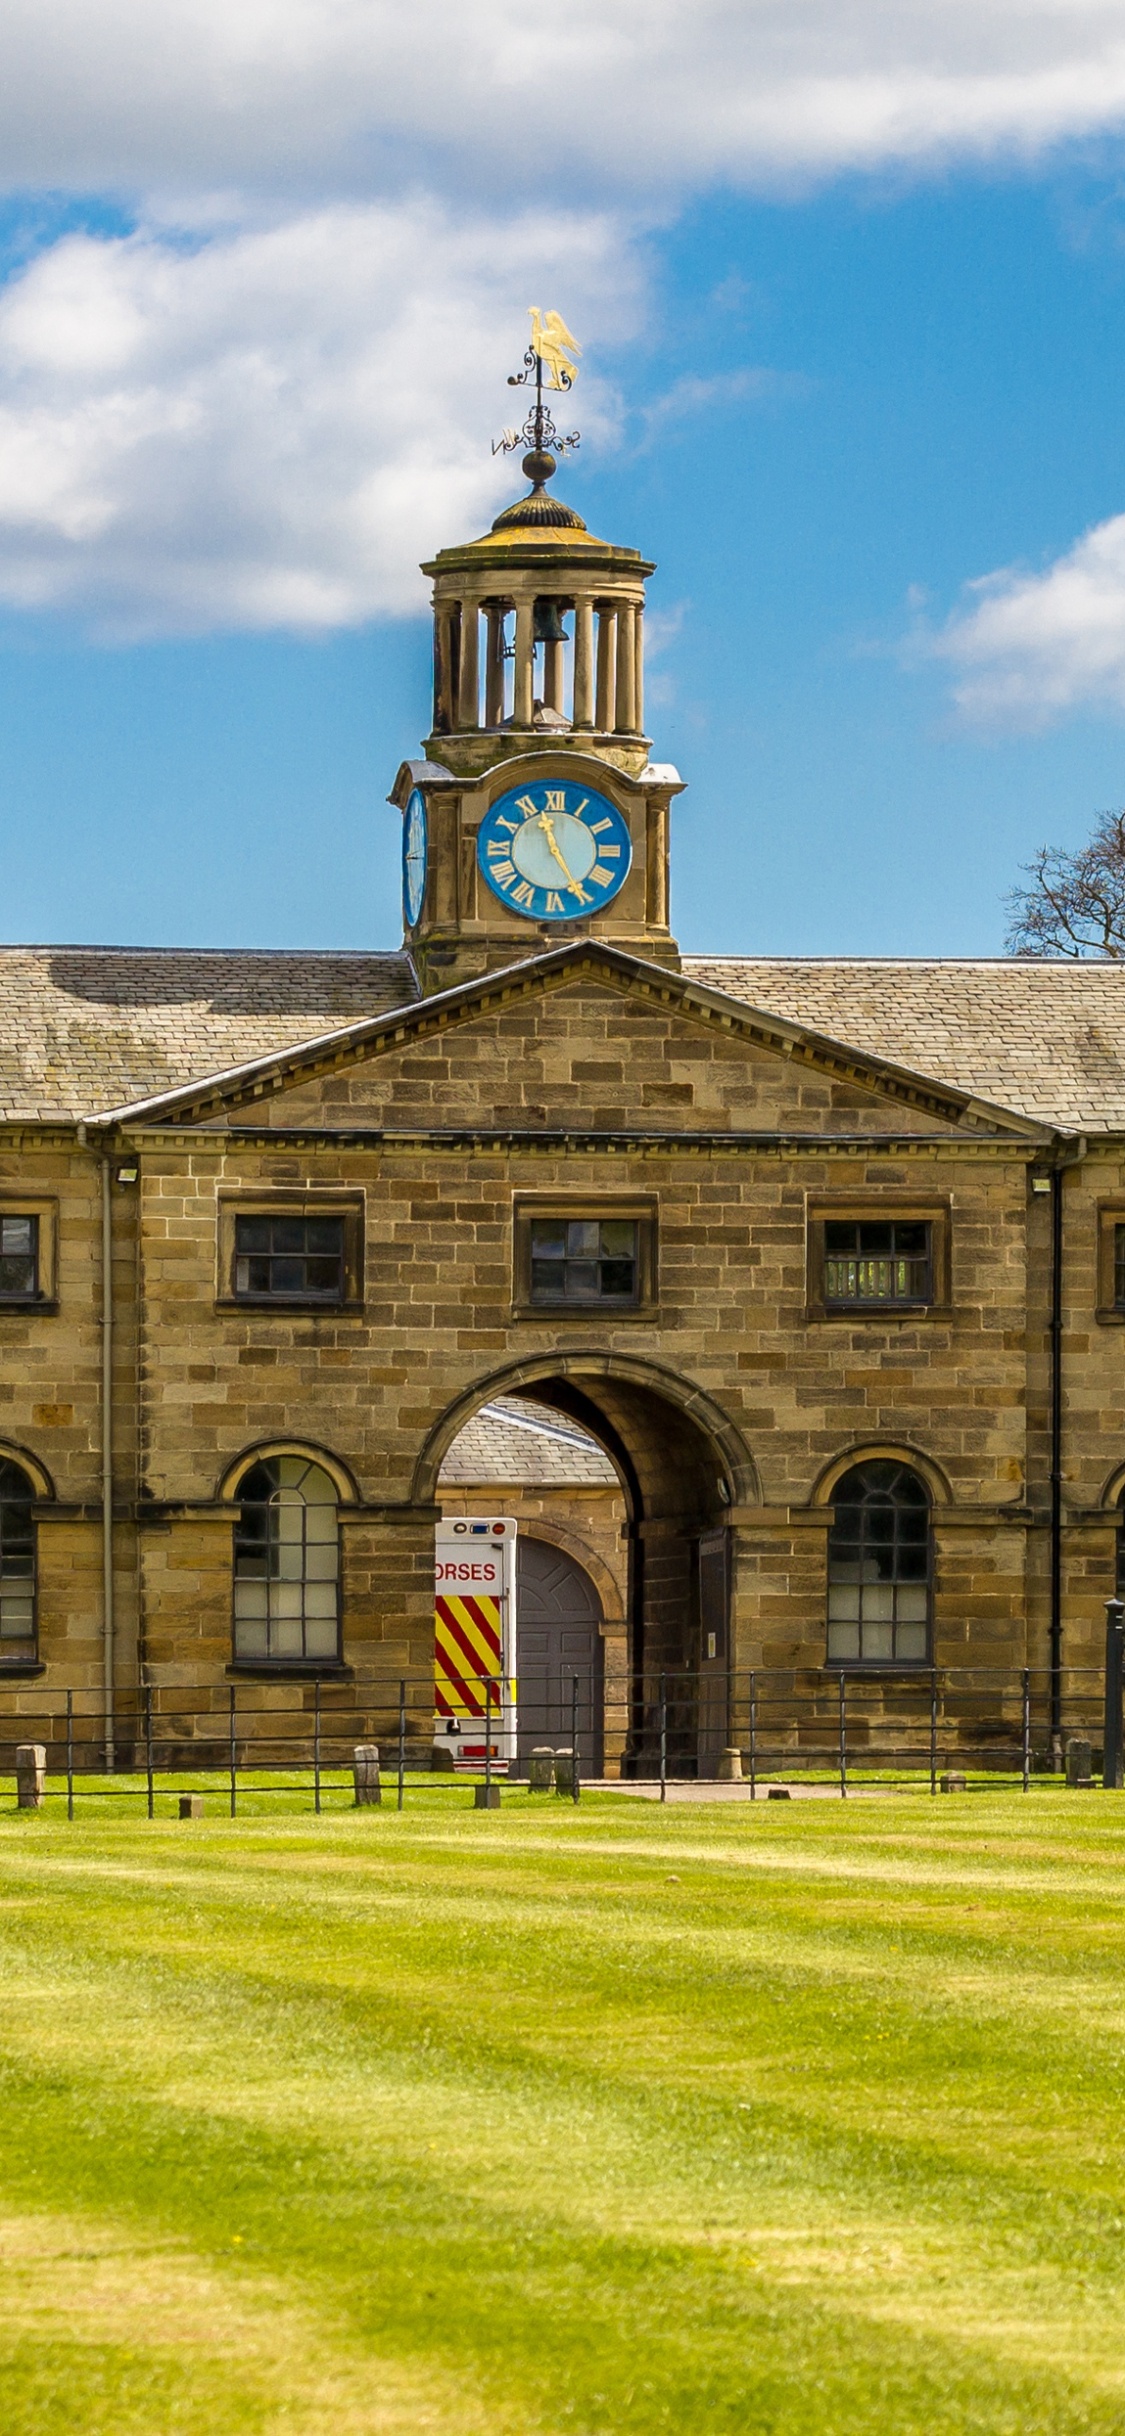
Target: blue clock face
pixel 553 850
pixel 413 858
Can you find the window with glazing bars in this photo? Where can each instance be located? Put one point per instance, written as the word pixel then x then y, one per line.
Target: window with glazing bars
pixel 17 1558
pixel 584 1260
pixel 879 1567
pixel 19 1259
pixel 1119 1268
pixel 878 1261
pixel 286 1563
pixel 289 1259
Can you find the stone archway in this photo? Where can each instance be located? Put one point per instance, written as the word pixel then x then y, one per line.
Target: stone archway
pixel 682 1465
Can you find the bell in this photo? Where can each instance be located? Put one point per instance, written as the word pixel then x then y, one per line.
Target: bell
pixel 549 627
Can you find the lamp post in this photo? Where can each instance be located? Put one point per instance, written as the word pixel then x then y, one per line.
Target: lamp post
pixel 1114 1656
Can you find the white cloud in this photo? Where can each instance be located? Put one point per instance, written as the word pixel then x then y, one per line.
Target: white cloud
pixel 272 428
pixel 1029 647
pixel 262 408
pixel 652 94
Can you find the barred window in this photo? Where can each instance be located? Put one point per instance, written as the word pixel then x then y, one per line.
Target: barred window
pixel 17 1559
pixel 19 1259
pixel 877 1262
pixel 584 1260
pixel 879 1567
pixel 289 1260
pixel 287 1562
pixel 1119 1268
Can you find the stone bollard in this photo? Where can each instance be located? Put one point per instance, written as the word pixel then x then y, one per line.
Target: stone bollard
pixel 365 1768
pixel 541 1769
pixel 730 1766
pixel 191 1805
pixel 564 1772
pixel 1079 1760
pixel 486 1797
pixel 953 1781
pixel 31 1769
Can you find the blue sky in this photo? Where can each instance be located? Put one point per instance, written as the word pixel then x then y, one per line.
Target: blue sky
pixel 832 401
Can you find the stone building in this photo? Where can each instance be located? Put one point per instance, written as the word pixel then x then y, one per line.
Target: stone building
pixel 827 1256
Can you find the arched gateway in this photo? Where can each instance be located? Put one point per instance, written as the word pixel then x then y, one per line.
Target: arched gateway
pixel 683 1467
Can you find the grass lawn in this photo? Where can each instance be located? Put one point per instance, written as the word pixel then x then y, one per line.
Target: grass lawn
pixel 806 2117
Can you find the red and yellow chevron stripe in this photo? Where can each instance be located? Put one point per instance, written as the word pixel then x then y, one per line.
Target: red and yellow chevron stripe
pixel 467 1653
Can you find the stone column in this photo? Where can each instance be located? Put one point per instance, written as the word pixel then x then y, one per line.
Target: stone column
pixel 468 691
pixel 583 713
pixel 625 721
pixel 446 625
pixel 639 669
pixel 607 621
pixel 553 675
pixel 494 668
pixel 525 649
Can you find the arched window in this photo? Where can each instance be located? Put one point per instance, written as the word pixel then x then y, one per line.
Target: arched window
pixel 17 1562
pixel 879 1566
pixel 286 1562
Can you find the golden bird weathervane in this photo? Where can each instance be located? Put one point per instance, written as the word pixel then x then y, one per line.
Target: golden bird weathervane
pixel 547 364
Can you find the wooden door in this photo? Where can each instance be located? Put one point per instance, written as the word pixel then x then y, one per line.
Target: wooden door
pixel 558 1636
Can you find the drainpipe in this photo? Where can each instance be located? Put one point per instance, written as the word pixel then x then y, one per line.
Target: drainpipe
pixel 1055 1636
pixel 107 1460
pixel 1071 1158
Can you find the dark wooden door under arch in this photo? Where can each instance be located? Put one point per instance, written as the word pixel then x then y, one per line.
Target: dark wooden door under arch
pixel 558 1636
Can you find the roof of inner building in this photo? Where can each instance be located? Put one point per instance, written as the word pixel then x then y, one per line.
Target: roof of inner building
pixel 512 1441
pixel 83 1028
pixel 1047 1040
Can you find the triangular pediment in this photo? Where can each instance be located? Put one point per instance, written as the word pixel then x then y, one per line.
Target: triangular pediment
pixel 583 1038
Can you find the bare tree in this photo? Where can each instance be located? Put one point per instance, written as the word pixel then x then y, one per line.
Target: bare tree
pixel 1075 905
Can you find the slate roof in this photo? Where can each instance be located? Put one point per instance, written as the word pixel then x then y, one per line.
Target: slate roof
pixel 85 1028
pixel 1047 1040
pixel 510 1441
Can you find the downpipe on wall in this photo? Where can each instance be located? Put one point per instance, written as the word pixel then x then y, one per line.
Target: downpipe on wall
pixel 107 1465
pixel 1072 1156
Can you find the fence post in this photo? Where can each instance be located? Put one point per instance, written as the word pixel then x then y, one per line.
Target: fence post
pixel 575 1768
pixel 316 1746
pixel 1114 1649
pixel 933 1730
pixel 401 1739
pixel 753 1735
pixel 233 1757
pixel 663 1738
pixel 1026 1728
pixel 488 1738
pixel 148 1748
pixel 70 1755
pixel 843 1736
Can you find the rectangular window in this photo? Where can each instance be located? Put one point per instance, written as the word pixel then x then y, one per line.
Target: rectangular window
pixel 289 1260
pixel 19 1259
pixel 877 1263
pixel 584 1260
pixel 1119 1268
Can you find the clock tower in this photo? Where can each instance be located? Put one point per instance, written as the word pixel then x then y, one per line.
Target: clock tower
pixel 536 815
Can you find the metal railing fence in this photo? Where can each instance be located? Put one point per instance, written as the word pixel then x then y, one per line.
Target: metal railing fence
pixel 262 1742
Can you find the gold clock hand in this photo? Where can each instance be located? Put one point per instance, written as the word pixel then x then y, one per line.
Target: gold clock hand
pixel 547 825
